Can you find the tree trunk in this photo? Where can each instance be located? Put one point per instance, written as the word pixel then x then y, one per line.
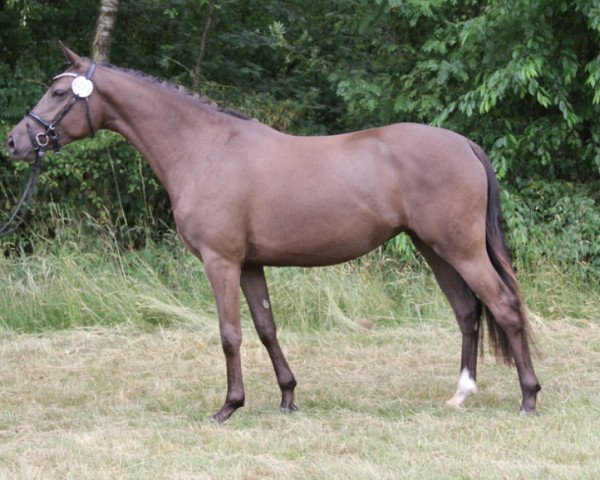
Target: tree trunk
pixel 105 24
pixel 202 47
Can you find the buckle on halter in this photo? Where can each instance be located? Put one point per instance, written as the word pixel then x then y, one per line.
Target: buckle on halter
pixel 42 139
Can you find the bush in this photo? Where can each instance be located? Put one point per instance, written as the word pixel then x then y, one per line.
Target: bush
pixel 556 222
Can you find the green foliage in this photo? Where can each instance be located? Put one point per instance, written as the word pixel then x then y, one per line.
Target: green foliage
pixel 555 222
pixel 104 177
pixel 522 78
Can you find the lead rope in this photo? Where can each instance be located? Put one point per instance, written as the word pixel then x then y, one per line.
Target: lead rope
pixel 23 203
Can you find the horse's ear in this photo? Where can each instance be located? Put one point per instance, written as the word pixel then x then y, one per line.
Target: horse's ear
pixel 71 56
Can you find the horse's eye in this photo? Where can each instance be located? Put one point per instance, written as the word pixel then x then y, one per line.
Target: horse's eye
pixel 59 93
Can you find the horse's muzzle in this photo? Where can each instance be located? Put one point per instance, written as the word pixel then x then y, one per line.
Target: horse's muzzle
pixel 19 145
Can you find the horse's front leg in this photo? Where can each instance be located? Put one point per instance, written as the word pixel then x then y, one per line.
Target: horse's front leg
pixel 255 289
pixel 224 277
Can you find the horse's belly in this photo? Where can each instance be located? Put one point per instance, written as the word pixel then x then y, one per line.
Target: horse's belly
pixel 320 242
pixel 260 255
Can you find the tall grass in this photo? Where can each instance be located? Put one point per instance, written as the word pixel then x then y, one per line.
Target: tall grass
pixel 86 275
pixel 95 281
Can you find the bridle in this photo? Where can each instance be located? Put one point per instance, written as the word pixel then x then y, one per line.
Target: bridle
pixel 82 87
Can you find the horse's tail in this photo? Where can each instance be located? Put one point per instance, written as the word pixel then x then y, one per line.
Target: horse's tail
pixel 501 260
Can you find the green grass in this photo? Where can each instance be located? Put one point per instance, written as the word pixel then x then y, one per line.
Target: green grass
pixel 111 366
pixel 66 283
pixel 78 279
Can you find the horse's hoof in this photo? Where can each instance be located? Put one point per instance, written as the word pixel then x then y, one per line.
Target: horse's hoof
pixel 288 409
pixel 528 413
pixel 217 420
pixel 223 415
pixel 456 404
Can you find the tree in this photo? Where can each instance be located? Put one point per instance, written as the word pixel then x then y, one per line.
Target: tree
pixel 105 24
pixel 202 46
pixel 522 78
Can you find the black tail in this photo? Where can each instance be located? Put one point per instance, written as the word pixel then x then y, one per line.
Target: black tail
pixel 501 260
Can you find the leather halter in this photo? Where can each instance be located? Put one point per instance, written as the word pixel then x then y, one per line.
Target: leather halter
pixel 41 140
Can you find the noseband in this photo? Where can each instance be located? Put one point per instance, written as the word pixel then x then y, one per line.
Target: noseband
pixel 82 88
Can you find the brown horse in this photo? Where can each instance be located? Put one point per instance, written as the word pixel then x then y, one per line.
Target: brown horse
pixel 246 196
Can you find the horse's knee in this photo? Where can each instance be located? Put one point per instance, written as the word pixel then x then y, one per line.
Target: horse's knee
pixel 267 333
pixel 231 341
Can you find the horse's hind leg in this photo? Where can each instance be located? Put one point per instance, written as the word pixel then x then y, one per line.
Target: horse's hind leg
pixel 255 289
pixel 506 311
pixel 467 310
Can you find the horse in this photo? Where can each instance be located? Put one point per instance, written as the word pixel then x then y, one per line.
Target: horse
pixel 246 196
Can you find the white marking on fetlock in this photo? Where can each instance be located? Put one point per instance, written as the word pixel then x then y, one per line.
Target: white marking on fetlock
pixel 266 304
pixel 466 388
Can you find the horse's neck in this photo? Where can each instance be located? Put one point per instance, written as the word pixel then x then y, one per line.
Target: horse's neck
pixel 167 128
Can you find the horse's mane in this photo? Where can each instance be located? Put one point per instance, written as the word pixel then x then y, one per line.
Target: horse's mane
pixel 173 87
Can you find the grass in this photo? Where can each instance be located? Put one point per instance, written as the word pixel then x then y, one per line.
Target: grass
pixel 68 283
pixel 80 280
pixel 122 403
pixel 110 367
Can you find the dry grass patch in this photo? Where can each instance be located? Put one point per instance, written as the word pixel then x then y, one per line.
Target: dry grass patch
pixel 128 403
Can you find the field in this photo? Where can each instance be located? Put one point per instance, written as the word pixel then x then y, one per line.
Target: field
pixel 110 367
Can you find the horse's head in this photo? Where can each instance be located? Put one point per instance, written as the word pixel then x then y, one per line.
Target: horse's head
pixel 68 111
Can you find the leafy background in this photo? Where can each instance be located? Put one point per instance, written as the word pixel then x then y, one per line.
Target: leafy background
pixel 520 77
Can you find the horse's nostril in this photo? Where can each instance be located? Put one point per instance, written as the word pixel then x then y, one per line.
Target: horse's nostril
pixel 11 144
